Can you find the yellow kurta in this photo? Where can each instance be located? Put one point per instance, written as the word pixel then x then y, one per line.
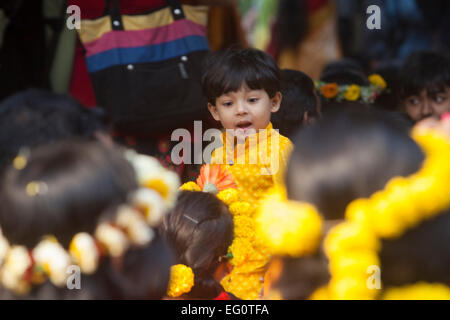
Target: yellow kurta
pixel 256 166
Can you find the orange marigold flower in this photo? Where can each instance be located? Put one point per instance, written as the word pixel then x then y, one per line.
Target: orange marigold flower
pixel 330 90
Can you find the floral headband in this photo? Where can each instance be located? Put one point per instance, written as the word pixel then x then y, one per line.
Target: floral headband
pixel 214 179
pixel 131 226
pixel 366 94
pixel 353 246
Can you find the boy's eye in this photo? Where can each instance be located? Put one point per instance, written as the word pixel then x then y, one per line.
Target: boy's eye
pixel 439 99
pixel 413 101
pixel 253 100
pixel 227 104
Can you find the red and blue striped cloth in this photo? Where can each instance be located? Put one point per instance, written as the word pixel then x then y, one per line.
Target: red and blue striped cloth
pixel 153 37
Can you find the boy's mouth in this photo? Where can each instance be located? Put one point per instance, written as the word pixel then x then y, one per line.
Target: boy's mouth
pixel 244 125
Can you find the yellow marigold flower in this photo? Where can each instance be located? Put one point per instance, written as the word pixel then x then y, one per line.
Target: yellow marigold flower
pixel 419 291
pixel 353 93
pixel 288 228
pixel 241 208
pixel 378 81
pixel 241 249
pixel 244 227
pixel 181 280
pixel 246 286
pixel 228 196
pixel 351 288
pixel 190 186
pixel 350 236
pixel 387 226
pixel 353 263
pixel 357 210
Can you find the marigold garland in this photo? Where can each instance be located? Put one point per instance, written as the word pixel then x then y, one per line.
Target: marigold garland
pixel 419 291
pixel 215 179
pixel 131 225
pixel 403 204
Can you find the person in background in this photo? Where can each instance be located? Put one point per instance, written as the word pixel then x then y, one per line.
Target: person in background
pixel 305 36
pixel 200 229
pixel 300 105
pixel 73 203
pixel 36 117
pixel 425 85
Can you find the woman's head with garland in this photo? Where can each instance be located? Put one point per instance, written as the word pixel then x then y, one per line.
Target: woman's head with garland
pixel 79 203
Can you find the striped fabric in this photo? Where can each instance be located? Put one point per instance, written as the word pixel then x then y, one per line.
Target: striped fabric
pixel 146 38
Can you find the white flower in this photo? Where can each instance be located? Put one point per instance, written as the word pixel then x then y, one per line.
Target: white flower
pixel 112 238
pixel 84 252
pixel 152 203
pixel 150 172
pixel 54 259
pixel 146 167
pixel 134 223
pixel 17 263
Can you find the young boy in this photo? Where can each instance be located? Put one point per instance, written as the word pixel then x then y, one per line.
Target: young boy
pixel 425 85
pixel 243 90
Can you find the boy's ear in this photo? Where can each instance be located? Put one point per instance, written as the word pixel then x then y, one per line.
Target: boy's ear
pixel 276 102
pixel 213 110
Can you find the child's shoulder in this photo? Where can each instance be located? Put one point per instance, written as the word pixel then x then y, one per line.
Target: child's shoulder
pixel 284 142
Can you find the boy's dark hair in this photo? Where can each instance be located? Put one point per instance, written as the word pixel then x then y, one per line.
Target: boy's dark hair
pixel 346 156
pixel 298 97
pixel 226 71
pixel 200 229
pixel 35 117
pixel 84 181
pixel 424 70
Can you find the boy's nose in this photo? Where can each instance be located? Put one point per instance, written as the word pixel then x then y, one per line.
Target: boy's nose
pixel 241 108
pixel 427 109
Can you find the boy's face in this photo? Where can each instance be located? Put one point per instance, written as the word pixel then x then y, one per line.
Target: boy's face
pixel 428 104
pixel 245 111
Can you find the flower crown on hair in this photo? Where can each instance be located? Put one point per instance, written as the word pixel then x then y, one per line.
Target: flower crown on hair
pixel 353 246
pixel 216 180
pixel 353 92
pixel 131 226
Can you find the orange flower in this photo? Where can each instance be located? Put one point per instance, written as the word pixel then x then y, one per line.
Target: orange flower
pixel 215 178
pixel 330 90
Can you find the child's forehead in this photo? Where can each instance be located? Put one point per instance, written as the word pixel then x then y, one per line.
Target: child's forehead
pixel 242 89
pixel 429 91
